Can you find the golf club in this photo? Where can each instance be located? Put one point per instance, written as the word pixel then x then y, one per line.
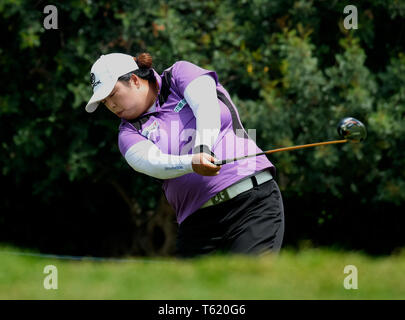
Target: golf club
pixel 350 129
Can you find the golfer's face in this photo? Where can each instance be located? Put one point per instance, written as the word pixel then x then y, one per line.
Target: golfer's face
pixel 130 100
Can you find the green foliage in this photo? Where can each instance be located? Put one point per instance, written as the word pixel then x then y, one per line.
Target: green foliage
pixel 290 66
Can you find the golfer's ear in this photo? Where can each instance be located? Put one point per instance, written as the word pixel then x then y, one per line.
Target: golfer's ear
pixel 135 80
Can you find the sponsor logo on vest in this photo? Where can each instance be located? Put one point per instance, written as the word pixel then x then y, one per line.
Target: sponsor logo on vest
pixel 151 128
pixel 180 105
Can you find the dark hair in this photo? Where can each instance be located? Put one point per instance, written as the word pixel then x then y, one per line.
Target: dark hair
pixel 144 62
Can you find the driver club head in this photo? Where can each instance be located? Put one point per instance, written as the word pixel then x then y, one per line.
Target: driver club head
pixel 352 129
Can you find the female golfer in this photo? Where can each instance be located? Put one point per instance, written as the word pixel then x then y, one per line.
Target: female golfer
pixel 174 127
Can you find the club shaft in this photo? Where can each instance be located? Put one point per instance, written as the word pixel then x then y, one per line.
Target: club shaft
pixel 282 149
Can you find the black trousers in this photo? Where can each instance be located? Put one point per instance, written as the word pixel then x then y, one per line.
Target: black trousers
pixel 250 223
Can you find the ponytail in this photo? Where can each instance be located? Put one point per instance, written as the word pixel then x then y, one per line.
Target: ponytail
pixel 144 60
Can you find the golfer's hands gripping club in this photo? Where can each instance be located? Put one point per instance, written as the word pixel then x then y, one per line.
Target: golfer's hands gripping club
pixel 202 164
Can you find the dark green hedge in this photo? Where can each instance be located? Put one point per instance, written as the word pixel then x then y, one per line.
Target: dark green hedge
pixel 293 70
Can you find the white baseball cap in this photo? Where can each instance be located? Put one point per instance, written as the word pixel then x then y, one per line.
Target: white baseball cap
pixel 105 73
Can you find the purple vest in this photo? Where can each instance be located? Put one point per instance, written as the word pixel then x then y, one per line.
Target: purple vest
pixel 172 128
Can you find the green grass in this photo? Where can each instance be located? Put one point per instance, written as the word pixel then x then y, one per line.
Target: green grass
pixel 306 274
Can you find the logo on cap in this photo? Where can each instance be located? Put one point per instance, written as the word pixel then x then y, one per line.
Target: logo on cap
pixel 93 80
